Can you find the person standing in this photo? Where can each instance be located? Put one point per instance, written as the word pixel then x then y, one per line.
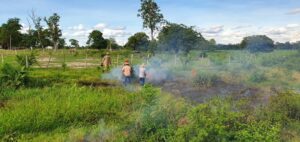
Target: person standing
pixel 106 62
pixel 126 72
pixel 142 74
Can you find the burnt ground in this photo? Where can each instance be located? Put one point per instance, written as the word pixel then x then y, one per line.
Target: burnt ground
pixel 97 83
pixel 199 94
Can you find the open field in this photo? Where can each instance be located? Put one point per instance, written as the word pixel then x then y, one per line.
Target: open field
pixel 222 96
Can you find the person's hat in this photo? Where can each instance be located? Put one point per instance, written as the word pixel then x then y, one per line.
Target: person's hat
pixel 143 65
pixel 126 62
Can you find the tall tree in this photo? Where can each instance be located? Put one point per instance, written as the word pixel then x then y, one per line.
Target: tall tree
pixel 96 40
pixel 38 28
pixel 53 28
pixel 138 41
pixel 179 38
pixel 151 15
pixel 74 43
pixel 258 43
pixel 112 43
pixel 10 35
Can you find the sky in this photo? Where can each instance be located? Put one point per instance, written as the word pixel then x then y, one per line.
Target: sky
pixel 227 21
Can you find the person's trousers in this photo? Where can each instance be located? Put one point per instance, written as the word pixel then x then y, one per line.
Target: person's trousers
pixel 127 80
pixel 142 81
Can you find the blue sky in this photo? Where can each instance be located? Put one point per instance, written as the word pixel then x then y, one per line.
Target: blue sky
pixel 228 21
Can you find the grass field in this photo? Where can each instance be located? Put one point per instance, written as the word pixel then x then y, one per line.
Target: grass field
pixel 77 104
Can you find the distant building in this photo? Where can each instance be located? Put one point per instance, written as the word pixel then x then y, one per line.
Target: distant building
pixel 49 47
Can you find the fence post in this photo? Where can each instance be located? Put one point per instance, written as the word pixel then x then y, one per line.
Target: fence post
pixel 117 60
pixel 85 59
pixel 26 60
pixel 2 58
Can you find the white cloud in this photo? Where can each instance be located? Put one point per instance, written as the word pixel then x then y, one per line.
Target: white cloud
pixel 79 27
pixel 24 28
pixel 289 32
pixel 81 33
pixel 292 25
pixel 294 11
pixel 213 29
pixel 100 26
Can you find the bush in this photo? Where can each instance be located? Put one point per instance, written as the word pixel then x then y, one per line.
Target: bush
pixel 258 77
pixel 12 76
pixel 220 120
pixel 206 79
pixel 31 59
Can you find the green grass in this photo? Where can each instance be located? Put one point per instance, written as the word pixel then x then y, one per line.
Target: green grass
pixel 53 106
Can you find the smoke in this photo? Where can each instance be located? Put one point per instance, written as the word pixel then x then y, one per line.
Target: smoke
pixel 199 74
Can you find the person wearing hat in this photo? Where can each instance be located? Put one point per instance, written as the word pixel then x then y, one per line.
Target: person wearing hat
pixel 106 62
pixel 142 74
pixel 126 71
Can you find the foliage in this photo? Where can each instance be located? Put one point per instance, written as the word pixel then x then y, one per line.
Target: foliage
pixel 179 38
pixel 39 32
pixel 31 59
pixel 150 13
pixel 258 43
pixel 218 120
pixel 12 76
pixel 139 41
pixel 112 44
pixel 96 40
pixel 205 79
pixel 10 33
pixel 74 43
pixel 53 29
pixel 28 40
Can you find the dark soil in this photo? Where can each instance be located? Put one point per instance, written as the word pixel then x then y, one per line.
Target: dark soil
pixel 96 83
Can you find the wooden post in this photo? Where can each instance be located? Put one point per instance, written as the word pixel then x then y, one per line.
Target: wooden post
pixel 117 60
pixel 2 58
pixel 26 60
pixel 85 59
pixel 50 56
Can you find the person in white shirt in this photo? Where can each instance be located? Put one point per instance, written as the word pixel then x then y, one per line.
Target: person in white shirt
pixel 142 74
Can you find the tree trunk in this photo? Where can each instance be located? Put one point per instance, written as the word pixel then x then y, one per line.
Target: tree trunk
pixel 55 45
pixel 152 36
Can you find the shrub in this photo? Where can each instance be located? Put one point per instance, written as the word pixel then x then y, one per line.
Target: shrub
pixel 258 77
pixel 205 79
pixel 13 76
pixel 31 59
pixel 220 120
